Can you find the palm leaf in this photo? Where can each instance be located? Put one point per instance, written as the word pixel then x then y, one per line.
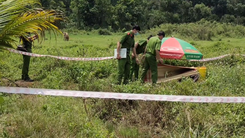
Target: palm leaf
pixel 16 19
pixel 9 9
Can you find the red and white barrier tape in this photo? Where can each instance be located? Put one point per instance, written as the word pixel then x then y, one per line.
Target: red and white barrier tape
pixel 122 96
pixel 216 58
pixel 58 57
pixel 211 59
pixel 98 58
pixel 25 53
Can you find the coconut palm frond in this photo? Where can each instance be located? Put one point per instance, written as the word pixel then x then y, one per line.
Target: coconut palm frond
pixel 8 42
pixel 9 9
pixel 17 21
pixel 31 22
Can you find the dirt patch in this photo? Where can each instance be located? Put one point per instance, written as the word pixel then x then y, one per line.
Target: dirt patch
pixel 12 83
pixel 22 83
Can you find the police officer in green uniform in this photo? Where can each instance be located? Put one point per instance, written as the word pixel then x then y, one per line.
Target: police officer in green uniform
pixel 152 55
pixel 127 41
pixel 140 48
pixel 27 44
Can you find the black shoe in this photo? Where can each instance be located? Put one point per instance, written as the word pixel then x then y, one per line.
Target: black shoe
pixel 28 80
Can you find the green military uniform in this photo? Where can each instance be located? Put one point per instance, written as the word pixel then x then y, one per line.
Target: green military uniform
pixel 150 58
pixel 26 59
pixel 127 41
pixel 134 66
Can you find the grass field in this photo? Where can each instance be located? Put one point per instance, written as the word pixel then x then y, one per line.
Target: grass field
pixel 45 116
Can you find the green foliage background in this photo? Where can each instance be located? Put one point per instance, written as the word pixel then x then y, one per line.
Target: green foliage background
pixel 121 14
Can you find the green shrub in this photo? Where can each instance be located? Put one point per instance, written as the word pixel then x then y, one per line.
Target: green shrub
pixel 124 30
pixel 202 30
pixel 104 32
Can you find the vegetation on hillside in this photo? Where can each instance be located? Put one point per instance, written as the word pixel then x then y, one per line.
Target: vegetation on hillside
pixel 121 14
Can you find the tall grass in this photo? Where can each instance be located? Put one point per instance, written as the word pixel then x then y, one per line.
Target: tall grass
pixel 46 116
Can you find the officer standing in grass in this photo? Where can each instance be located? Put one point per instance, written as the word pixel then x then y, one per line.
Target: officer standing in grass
pixel 127 41
pixel 27 44
pixel 152 55
pixel 140 48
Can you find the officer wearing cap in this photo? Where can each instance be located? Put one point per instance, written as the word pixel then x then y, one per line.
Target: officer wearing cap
pixel 140 48
pixel 27 43
pixel 127 41
pixel 151 56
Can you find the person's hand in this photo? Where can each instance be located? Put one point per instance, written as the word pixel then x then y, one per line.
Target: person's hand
pixel 30 39
pixel 133 55
pixel 35 36
pixel 161 61
pixel 137 61
pixel 118 56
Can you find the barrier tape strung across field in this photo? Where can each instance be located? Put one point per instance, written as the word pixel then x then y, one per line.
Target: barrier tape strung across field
pixel 122 96
pixel 98 58
pixel 25 53
pixel 211 59
pixel 58 57
pixel 216 58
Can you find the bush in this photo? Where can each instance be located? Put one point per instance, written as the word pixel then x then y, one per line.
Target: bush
pixel 104 32
pixel 124 30
pixel 202 30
